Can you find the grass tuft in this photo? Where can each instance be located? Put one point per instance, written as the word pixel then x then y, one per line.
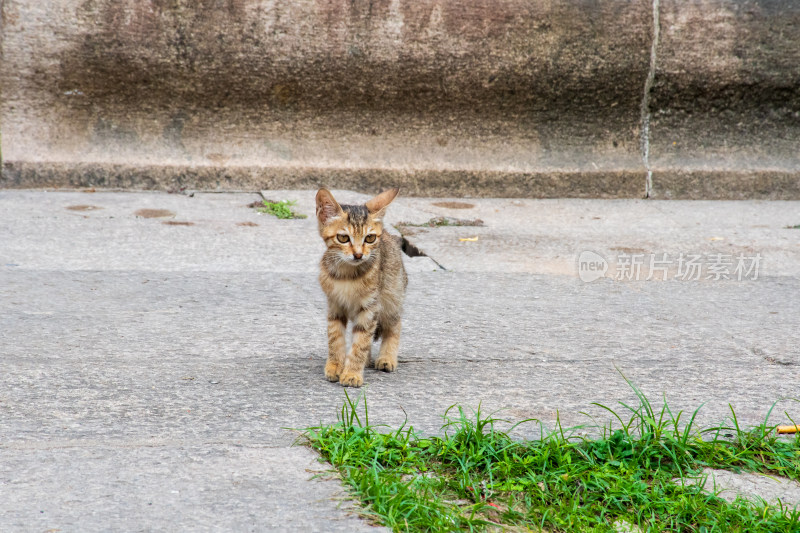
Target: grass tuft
pixel 282 209
pixel 476 478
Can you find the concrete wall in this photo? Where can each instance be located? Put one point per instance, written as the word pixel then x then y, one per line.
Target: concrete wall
pixel 582 98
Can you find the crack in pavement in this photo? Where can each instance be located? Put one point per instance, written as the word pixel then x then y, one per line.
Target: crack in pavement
pixel 645 108
pixel 412 250
pixel 122 445
pixel 455 361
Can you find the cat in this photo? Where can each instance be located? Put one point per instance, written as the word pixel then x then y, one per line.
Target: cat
pixel 362 274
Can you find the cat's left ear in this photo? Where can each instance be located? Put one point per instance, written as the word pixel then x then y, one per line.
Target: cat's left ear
pixel 382 200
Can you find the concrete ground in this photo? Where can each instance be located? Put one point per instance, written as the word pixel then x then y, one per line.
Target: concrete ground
pixel 155 363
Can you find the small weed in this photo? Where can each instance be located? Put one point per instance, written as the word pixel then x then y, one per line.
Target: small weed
pixel 797 226
pixel 282 209
pixel 476 477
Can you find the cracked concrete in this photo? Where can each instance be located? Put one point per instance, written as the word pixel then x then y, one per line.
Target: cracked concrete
pixel 141 358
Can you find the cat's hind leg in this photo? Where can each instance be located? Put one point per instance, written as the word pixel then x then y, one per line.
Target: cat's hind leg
pixel 337 347
pixel 387 357
pixel 363 331
pixel 375 338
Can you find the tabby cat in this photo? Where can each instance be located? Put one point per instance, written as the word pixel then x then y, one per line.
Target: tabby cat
pixel 362 274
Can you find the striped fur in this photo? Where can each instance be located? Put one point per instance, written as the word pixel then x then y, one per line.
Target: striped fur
pixel 365 284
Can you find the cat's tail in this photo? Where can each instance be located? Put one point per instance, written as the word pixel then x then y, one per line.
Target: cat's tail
pixel 378 333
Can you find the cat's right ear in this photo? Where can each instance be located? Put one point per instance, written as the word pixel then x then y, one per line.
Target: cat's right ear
pixel 327 207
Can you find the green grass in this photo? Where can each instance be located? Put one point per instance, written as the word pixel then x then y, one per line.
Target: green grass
pixel 282 209
pixel 796 226
pixel 475 477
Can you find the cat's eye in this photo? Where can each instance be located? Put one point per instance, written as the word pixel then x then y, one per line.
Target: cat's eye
pixel 342 238
pixel 369 239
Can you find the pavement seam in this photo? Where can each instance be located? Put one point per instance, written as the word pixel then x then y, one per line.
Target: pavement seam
pixel 456 361
pixel 122 445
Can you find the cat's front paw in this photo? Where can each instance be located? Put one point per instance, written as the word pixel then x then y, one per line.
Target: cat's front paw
pixel 332 371
pixel 352 379
pixel 386 364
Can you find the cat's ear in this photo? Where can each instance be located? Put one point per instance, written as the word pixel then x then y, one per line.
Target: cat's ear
pixel 327 207
pixel 382 200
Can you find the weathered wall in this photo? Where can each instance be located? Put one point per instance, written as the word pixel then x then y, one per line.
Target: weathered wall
pixel 725 103
pixel 494 97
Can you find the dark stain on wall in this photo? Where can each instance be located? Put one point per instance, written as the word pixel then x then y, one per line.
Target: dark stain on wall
pixel 510 55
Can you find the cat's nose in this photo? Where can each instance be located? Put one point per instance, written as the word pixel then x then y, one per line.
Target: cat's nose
pixel 358 256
